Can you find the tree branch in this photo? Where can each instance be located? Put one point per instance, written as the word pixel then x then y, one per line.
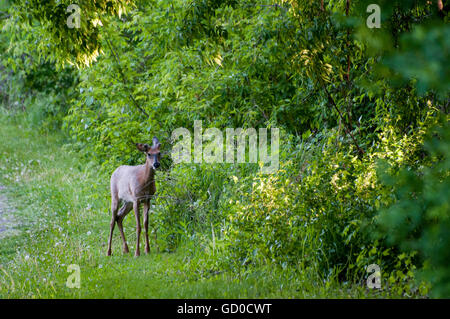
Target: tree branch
pixel 124 79
pixel 347 130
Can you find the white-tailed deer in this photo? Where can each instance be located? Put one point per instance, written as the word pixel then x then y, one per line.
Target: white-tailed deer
pixel 134 185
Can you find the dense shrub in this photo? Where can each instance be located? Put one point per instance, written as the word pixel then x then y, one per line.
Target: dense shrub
pixel 320 210
pixel 419 219
pixel 32 84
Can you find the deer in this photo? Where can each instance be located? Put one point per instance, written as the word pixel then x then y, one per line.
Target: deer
pixel 134 185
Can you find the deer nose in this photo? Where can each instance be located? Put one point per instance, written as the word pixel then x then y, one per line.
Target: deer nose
pixel 156 165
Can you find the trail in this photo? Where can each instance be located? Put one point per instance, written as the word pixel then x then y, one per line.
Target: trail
pixel 2 204
pixel 6 220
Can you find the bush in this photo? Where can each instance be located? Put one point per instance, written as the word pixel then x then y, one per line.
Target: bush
pixel 319 211
pixel 419 219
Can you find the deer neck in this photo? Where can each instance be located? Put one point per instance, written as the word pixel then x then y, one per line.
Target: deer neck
pixel 149 173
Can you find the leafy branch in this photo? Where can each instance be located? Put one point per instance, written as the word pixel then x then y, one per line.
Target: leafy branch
pixel 346 128
pixel 124 79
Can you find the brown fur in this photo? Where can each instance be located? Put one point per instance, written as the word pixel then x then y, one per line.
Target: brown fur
pixel 134 185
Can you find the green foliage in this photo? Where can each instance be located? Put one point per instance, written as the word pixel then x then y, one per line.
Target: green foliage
pixel 412 43
pixel 344 96
pixel 30 82
pixel 38 89
pixel 320 211
pixel 423 53
pixel 65 44
pixel 419 218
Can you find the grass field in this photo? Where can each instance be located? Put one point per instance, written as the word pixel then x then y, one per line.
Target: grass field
pixel 59 206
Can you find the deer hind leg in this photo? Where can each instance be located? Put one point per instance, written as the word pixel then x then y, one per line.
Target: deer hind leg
pixel 114 209
pixel 138 227
pixel 146 209
pixel 120 216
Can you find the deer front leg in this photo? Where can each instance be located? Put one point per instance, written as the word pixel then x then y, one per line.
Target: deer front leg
pixel 146 209
pixel 114 208
pixel 138 227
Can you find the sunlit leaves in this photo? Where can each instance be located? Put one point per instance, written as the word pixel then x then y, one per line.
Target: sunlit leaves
pixel 64 42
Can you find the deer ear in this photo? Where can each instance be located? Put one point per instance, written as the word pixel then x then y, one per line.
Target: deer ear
pixel 142 147
pixel 155 142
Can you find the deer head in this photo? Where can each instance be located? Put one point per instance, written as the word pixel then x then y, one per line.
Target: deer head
pixel 153 153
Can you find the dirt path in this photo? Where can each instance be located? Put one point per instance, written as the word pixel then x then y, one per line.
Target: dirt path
pixel 2 204
pixel 6 220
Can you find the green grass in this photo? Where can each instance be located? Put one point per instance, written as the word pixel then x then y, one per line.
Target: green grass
pixel 61 204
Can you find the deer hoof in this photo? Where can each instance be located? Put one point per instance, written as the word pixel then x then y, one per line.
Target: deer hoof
pixel 137 254
pixel 125 250
pixel 108 253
